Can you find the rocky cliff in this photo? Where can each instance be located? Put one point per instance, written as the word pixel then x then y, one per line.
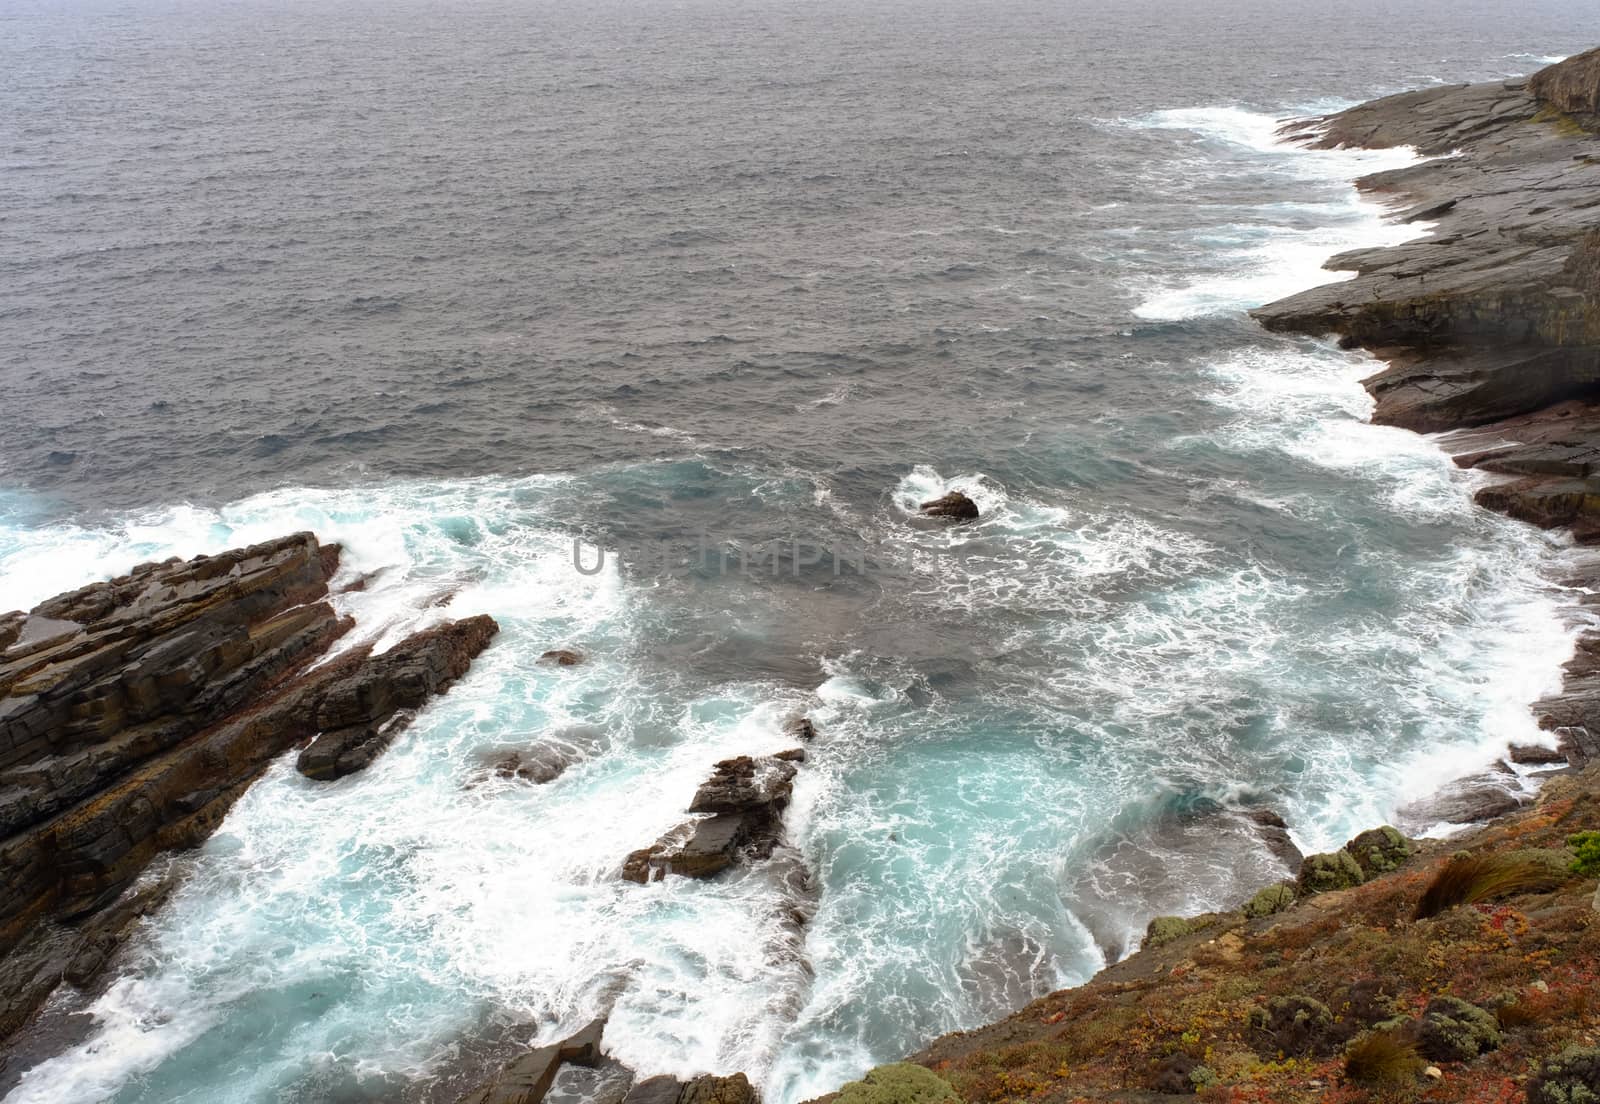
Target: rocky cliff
pixel 134 712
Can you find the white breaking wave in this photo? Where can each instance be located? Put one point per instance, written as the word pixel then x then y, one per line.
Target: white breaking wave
pixel 1273 253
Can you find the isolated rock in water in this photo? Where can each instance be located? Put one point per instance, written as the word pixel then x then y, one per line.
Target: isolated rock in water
pixel 800 728
pixel 360 713
pixel 134 712
pixel 562 657
pixel 744 785
pixel 528 1077
pixel 1274 832
pixel 954 505
pixel 538 765
pixel 747 797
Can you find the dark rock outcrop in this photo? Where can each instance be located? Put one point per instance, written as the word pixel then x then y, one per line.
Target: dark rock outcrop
pixel 954 505
pixel 528 1077
pixel 1472 800
pixel 1274 832
pixel 134 712
pixel 562 657
pixel 702 1090
pixel 746 798
pixel 1493 320
pixel 357 714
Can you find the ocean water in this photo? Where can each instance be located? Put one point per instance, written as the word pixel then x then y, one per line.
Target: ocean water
pixel 530 305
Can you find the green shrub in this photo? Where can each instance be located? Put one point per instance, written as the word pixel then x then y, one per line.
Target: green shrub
pixel 1380 850
pixel 1571 1077
pixel 1164 929
pixel 899 1083
pixel 1451 1030
pixel 1587 846
pixel 1468 879
pixel 1324 873
pixel 1383 1058
pixel 1292 1025
pixel 1273 899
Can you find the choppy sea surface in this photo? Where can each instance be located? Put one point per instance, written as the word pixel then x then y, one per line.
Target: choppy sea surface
pixel 458 284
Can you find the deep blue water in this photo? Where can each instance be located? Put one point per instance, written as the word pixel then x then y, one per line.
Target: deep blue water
pixel 458 283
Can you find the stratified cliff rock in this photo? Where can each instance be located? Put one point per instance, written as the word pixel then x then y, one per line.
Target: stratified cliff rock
pixel 1493 318
pixel 134 712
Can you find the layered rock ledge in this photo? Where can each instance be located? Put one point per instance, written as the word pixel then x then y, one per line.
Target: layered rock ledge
pixel 1490 324
pixel 134 712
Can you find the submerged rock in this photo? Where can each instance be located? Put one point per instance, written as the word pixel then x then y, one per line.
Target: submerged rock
pixel 955 505
pixel 562 657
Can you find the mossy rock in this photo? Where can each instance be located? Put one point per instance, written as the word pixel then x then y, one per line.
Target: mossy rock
pixel 1273 899
pixel 1451 1030
pixel 1571 1077
pixel 1327 872
pixel 1380 850
pixel 899 1083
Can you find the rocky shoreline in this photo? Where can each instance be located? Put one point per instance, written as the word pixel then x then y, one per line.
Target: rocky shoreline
pixel 134 712
pixel 1397 969
pixel 1489 325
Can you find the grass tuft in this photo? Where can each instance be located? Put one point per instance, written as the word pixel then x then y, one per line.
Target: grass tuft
pixel 1469 879
pixel 1384 1058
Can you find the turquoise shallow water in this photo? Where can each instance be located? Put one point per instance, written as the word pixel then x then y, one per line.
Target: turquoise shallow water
pixel 737 278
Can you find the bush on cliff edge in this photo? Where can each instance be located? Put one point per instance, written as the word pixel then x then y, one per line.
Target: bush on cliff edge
pixel 899 1083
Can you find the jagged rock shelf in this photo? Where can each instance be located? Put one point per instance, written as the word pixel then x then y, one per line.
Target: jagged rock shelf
pixel 134 712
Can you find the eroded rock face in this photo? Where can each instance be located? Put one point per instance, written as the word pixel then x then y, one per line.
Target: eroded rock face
pixel 747 797
pixel 1491 323
pixel 1572 85
pixel 134 712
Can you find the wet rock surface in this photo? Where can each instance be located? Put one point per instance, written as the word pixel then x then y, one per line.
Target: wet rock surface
pixel 527 1078
pixel 746 797
pixel 955 506
pixel 134 712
